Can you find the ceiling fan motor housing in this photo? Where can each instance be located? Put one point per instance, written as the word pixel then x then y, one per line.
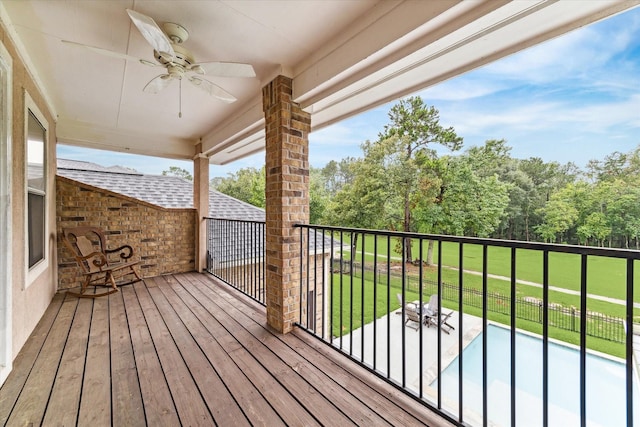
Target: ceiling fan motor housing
pixel 183 57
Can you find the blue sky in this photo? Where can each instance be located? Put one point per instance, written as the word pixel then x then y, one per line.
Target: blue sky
pixel 574 98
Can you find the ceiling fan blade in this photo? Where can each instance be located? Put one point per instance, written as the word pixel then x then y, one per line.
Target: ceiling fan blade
pixel 227 69
pixel 158 83
pixel 151 32
pixel 110 53
pixel 212 89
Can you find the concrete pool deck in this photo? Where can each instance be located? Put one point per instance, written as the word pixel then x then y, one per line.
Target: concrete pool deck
pixel 394 324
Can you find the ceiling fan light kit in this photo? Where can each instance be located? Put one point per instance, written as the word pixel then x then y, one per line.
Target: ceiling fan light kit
pixel 179 62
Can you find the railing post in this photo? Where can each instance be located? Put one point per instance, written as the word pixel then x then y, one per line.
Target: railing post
pixel 201 204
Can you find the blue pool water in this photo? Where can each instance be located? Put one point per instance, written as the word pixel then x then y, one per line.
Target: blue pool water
pixel 605 379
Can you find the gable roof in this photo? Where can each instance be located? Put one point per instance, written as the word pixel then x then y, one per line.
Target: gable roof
pixel 160 190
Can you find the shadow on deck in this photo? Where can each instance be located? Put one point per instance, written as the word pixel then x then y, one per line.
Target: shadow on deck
pixel 188 350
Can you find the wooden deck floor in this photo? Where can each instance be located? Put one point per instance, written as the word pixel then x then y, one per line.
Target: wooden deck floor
pixel 186 350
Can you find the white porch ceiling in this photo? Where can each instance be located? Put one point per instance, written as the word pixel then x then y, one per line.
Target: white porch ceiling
pixel 345 57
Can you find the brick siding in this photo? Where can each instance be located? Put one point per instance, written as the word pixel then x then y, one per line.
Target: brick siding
pixel 287 129
pixel 162 239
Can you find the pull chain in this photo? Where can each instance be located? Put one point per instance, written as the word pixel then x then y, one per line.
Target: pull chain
pixel 180 100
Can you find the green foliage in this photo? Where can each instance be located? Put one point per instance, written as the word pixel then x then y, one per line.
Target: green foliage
pixel 247 184
pixel 179 172
pixel 397 173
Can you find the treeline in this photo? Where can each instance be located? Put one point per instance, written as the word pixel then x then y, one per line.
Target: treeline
pixel 403 182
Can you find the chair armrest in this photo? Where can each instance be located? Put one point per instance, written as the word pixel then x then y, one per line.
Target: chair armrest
pixel 127 251
pixel 99 259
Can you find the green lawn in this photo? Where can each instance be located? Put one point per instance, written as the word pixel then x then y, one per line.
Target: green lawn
pixel 605 276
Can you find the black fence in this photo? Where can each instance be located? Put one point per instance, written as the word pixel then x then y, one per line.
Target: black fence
pixel 599 325
pixel 235 254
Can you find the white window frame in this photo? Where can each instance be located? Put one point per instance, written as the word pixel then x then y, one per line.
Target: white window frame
pixel 42 265
pixel 6 104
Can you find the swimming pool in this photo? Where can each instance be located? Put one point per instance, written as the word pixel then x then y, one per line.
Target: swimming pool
pixel 605 379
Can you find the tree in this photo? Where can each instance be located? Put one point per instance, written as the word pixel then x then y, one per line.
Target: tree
pixel 336 175
pixel 595 227
pixel 405 148
pixel 179 172
pixel 246 184
pixel 318 196
pixel 559 215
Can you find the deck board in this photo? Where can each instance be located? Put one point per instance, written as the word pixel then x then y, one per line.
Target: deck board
pixel 157 401
pixel 220 402
pixel 126 397
pixel 32 402
pixel 254 406
pixel 95 400
pixel 187 350
pixel 191 409
pixel 25 360
pixel 65 396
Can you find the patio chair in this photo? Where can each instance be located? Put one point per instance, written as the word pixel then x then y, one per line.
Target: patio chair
pixel 92 256
pixel 432 317
pixel 412 314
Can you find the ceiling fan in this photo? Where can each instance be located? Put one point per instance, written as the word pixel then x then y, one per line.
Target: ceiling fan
pixel 179 62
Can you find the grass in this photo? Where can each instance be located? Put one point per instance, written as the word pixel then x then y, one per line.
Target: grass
pixel 605 276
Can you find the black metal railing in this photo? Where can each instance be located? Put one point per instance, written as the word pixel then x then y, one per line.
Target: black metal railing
pixel 364 314
pixel 599 325
pixel 235 254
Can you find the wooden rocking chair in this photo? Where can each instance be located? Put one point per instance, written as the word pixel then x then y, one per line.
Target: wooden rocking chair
pixel 88 247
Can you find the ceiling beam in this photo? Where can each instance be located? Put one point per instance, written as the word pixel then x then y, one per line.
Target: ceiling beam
pixel 90 136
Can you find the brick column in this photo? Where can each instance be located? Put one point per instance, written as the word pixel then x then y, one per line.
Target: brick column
pixel 287 200
pixel 201 204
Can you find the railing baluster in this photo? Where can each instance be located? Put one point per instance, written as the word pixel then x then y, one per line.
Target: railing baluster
pixel 422 314
pixel 375 300
pixel 460 333
pixel 484 337
pixel 331 286
pixel 315 275
pixel 389 307
pixel 629 344
pixel 341 284
pixel 438 329
pixel 324 287
pixel 404 305
pixel 351 268
pixel 513 336
pixel 302 293
pixel 545 338
pixel 307 264
pixel 583 340
pixel 362 297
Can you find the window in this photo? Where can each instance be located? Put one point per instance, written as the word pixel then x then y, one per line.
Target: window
pixel 36 209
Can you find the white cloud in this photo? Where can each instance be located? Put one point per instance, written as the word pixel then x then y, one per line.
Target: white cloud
pixel 462 88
